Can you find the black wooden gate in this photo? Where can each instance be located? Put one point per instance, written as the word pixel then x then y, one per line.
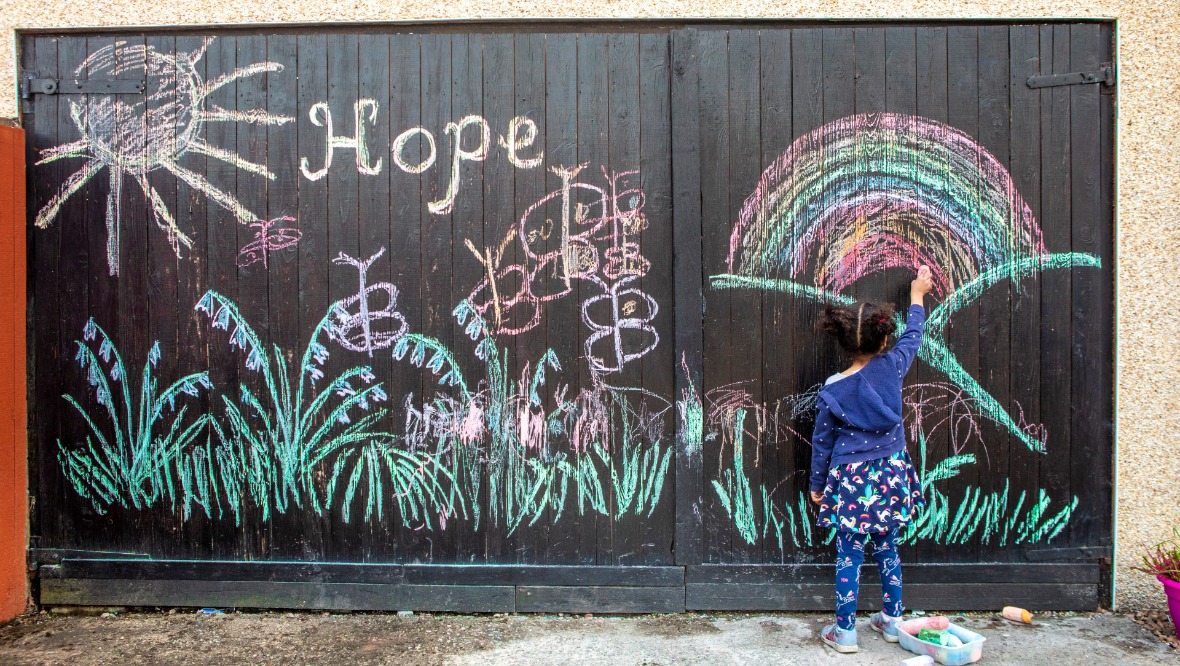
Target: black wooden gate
pixel 497 318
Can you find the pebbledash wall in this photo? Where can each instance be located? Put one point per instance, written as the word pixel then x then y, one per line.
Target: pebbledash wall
pixel 1147 172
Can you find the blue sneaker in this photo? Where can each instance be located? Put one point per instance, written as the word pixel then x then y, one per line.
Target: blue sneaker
pixel 841 640
pixel 886 625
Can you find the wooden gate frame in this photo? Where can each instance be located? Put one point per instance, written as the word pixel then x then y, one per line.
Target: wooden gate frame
pixel 77 577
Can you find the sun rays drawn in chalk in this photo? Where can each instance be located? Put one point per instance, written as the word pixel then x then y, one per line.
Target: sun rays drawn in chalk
pixel 871 192
pixel 134 135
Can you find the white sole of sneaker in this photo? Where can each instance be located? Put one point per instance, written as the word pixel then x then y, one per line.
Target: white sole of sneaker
pixel 843 649
pixel 887 637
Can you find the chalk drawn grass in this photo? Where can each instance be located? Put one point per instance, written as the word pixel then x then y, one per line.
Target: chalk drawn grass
pixel 1000 517
pixel 501 432
pixel 135 433
pixel 279 438
pixel 294 438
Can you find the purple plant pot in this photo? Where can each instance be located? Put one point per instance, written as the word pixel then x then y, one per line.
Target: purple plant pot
pixel 1172 592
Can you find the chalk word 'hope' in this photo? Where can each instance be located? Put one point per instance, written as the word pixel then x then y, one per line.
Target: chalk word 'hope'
pixel 522 133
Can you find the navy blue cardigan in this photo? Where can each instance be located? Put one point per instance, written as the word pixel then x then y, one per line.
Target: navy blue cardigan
pixel 859 417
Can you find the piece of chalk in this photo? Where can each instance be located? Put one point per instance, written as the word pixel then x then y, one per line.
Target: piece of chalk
pixel 1017 614
pixel 921 660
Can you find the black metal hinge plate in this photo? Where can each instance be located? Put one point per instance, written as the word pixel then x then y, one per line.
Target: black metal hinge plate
pixel 34 86
pixel 1104 75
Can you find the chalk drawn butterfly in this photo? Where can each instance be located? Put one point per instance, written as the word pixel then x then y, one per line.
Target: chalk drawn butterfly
pixel 359 326
pixel 271 236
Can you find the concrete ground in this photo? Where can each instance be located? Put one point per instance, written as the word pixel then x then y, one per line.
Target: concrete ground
pixel 184 637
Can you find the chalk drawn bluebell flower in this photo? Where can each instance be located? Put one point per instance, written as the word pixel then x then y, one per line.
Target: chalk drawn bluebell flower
pixel 319 352
pixel 378 394
pixel 254 360
pixel 367 375
pixel 132 461
pixel 314 373
pixel 436 363
pixel 238 339
pixel 400 349
pixel 221 318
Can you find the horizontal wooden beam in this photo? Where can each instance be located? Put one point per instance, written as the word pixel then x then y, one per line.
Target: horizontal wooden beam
pixel 346 572
pixel 270 594
pixel 550 589
pixel 1080 573
pixel 932 596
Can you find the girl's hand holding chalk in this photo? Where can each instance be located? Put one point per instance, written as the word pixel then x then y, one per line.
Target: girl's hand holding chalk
pixel 921 285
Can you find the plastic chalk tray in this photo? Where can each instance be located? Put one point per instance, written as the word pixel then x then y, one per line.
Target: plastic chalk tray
pixel 969 652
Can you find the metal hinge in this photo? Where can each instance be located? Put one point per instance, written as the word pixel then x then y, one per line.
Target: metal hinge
pixel 33 86
pixel 1104 75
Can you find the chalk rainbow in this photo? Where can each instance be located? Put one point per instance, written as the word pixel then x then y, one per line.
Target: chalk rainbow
pixel 871 192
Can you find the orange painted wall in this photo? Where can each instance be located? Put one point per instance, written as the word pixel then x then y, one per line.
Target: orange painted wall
pixel 14 466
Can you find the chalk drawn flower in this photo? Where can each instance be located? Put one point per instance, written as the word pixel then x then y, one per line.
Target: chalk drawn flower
pixel 134 135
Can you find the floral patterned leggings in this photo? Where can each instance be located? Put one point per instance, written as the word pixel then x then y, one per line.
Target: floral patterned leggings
pixel 850 554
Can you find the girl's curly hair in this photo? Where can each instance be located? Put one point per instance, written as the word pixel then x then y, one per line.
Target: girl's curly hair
pixel 860 328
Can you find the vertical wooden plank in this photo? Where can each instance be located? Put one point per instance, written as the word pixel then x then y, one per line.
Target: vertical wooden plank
pixel 45 482
pixel 526 83
pixel 279 97
pixel 135 217
pixel 1091 362
pixel 963 113
pixel 407 210
pixel 869 59
pixel 780 323
pixel 78 225
pixel 593 151
pixel 1024 375
pixel 499 221
pixel 807 114
pixel 720 530
pixel 190 345
pixel 688 297
pixel 839 101
pixel 1104 395
pixel 466 223
pixel 631 533
pixel 252 288
pixel 1056 325
pixel 903 76
pixel 659 365
pixel 932 102
pixel 313 249
pixel 437 238
pixel 373 222
pixel 342 221
pixel 745 323
pixel 162 259
pixel 995 350
pixel 573 536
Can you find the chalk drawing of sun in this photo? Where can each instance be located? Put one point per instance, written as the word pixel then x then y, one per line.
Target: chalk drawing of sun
pixel 133 135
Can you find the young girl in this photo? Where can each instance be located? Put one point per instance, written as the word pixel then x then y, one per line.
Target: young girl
pixel 861 475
